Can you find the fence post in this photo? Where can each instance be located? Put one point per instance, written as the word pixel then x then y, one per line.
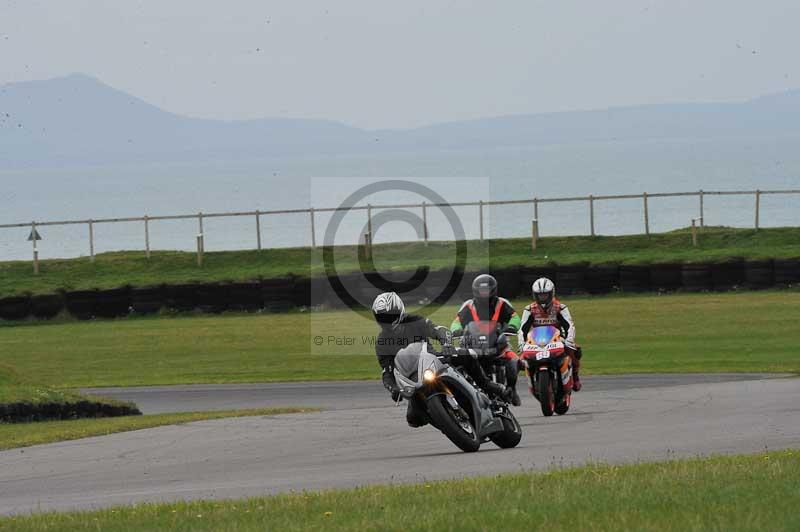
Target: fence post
pixel 91 240
pixel 35 251
pixel 146 236
pixel 425 222
pixel 591 212
pixel 702 214
pixel 200 222
pixel 258 229
pixel 369 222
pixel 758 205
pixel 534 234
pixel 694 232
pixel 480 216
pixel 313 230
pixel 646 215
pixel 367 245
pixel 536 214
pixel 200 249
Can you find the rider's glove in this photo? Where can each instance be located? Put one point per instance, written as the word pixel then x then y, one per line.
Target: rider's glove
pixel 570 344
pixel 444 335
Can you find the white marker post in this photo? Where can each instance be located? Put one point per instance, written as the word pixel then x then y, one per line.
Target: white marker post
pixel 34 237
pixel 146 236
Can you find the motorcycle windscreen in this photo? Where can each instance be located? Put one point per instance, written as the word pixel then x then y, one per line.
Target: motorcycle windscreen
pixel 482 332
pixel 407 360
pixel 542 336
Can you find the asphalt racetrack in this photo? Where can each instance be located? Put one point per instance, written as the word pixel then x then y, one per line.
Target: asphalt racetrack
pixel 361 438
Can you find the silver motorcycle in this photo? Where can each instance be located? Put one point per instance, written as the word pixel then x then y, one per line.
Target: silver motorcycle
pixel 455 406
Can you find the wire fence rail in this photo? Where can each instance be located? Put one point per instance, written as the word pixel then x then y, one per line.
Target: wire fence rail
pixel 645 197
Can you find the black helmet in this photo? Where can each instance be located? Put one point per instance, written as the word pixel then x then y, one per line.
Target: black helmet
pixel 388 309
pixel 484 288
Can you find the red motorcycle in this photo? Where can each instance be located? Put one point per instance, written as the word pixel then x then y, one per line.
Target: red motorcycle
pixel 549 368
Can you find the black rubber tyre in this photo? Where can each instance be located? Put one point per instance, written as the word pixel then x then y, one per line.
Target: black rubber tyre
pixel 545 388
pixel 444 418
pixel 563 406
pixel 511 435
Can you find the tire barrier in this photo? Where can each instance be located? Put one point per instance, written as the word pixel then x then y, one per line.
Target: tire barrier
pixel 273 294
pixel 245 297
pixel 759 274
pixel 147 300
pixel 571 279
pixel 666 277
pixel 634 278
pixel 25 412
pixel 114 303
pixel 602 278
pixel 47 306
pixel 281 294
pixel 80 304
pixel 787 271
pixel 180 297
pixel 696 277
pixel 15 308
pixel 727 275
pixel 211 298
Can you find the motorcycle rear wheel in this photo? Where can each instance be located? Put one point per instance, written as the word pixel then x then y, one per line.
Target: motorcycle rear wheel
pixel 544 386
pixel 447 421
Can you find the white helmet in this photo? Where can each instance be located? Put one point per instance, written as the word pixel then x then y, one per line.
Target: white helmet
pixel 388 309
pixel 544 292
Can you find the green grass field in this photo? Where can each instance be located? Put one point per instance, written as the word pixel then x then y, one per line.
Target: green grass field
pixel 132 268
pixel 757 492
pixel 13 435
pixel 742 331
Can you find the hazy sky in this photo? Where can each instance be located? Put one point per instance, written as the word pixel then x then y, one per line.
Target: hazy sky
pixel 405 63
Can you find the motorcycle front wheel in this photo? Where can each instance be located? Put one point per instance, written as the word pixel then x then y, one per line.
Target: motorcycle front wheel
pixel 544 386
pixel 455 424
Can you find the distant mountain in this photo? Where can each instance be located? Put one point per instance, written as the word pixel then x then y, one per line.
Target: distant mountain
pixel 77 120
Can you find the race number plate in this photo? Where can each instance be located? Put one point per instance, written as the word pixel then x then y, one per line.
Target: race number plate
pixel 541 355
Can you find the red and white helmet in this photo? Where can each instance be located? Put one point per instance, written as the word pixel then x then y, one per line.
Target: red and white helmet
pixel 544 292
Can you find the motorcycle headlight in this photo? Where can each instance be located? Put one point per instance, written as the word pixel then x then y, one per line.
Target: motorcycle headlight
pixel 428 375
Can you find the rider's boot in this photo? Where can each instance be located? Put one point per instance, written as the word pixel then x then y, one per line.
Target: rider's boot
pixel 513 396
pixel 495 389
pixel 415 416
pixel 512 366
pixel 576 366
pixel 390 383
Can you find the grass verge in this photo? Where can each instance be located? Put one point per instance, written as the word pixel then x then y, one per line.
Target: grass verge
pixel 20 402
pixel 757 492
pixel 112 270
pixel 738 332
pixel 13 435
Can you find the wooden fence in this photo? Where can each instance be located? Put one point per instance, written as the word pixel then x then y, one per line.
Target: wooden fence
pixel 480 206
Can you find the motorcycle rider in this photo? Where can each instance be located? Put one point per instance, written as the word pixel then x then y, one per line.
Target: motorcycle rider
pixel 485 305
pixel 398 330
pixel 547 310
